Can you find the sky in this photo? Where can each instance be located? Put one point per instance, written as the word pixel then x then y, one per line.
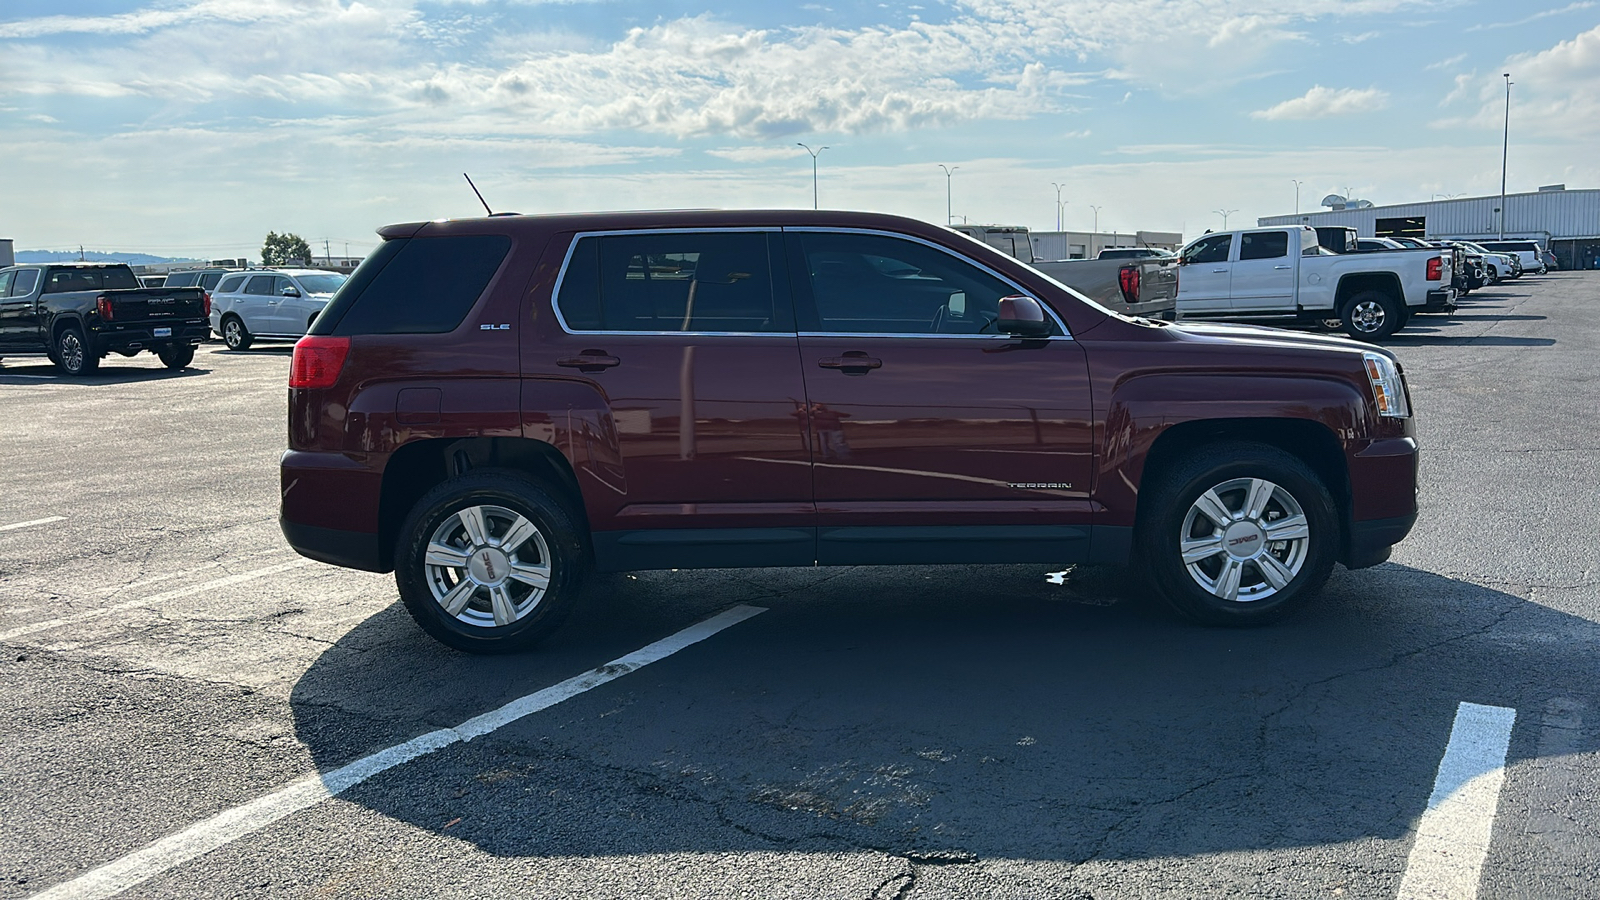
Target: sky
pixel 193 127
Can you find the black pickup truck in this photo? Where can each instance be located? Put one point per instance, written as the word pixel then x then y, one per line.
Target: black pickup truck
pixel 76 313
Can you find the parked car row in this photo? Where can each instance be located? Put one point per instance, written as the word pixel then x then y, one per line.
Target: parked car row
pixel 1369 288
pixel 79 313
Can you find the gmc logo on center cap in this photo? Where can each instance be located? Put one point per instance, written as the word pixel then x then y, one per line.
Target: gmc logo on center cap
pixel 1244 540
pixel 488 565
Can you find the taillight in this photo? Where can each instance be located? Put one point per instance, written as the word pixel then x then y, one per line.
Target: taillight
pixel 1435 266
pixel 102 305
pixel 1128 279
pixel 317 361
pixel 205 304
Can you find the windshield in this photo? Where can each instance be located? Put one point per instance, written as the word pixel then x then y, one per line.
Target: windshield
pixel 321 284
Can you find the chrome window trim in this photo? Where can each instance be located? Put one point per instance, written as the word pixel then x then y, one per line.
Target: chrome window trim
pixel 566 261
pixel 924 337
pixel 1065 332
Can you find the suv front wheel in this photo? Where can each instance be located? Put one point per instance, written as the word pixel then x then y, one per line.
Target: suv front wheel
pixel 1244 533
pixel 489 562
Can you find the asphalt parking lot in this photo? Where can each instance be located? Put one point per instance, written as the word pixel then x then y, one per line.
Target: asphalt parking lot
pixel 182 692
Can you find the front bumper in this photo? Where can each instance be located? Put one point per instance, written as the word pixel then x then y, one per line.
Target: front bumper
pixel 1383 495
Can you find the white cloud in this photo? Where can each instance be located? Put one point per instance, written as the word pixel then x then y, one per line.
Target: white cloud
pixel 757 154
pixel 1321 102
pixel 1555 93
pixel 1442 64
pixel 1545 14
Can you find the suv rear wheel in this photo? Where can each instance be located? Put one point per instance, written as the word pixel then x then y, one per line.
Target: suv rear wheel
pixel 489 562
pixel 234 334
pixel 1244 534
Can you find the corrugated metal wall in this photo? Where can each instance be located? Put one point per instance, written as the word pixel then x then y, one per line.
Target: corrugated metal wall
pixel 1555 215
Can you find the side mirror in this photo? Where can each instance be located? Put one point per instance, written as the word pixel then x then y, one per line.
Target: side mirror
pixel 291 291
pixel 1023 317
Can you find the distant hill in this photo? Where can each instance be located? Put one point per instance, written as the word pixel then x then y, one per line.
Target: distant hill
pixel 132 259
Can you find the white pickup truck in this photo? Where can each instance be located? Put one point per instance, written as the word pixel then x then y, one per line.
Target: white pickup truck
pixel 1281 276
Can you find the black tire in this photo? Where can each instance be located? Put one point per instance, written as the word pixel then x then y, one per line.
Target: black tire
pixel 1176 516
pixel 176 356
pixel 234 334
pixel 530 616
pixel 73 353
pixel 1371 315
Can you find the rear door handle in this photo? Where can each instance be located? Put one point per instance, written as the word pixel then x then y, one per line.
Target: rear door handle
pixel 851 363
pixel 1219 271
pixel 1283 267
pixel 589 361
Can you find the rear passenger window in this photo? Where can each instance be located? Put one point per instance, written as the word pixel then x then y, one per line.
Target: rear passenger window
pixel 27 280
pixel 259 286
pixel 5 283
pixel 688 281
pixel 415 286
pixel 1263 245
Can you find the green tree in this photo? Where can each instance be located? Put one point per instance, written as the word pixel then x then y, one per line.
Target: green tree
pixel 285 249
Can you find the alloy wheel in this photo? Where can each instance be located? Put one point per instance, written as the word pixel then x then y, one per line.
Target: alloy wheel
pixel 1367 317
pixel 71 351
pixel 487 566
pixel 1245 540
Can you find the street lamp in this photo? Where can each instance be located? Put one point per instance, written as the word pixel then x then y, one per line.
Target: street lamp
pixel 1297 183
pixel 1094 236
pixel 1505 145
pixel 1225 213
pixel 948 218
pixel 814 154
pixel 1059 202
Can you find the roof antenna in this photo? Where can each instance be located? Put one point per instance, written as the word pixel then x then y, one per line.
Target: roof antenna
pixel 475 191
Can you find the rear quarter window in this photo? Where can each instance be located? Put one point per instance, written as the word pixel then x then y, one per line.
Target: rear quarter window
pixel 230 284
pixel 415 286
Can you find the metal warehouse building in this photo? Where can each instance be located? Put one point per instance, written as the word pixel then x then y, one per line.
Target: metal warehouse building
pixel 1568 222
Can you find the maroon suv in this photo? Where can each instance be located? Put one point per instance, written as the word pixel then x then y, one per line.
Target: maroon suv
pixel 492 407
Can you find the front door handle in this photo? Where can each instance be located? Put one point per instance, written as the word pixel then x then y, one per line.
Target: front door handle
pixel 1283 267
pixel 853 363
pixel 1219 271
pixel 589 361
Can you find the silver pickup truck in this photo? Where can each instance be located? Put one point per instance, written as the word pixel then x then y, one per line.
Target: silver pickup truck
pixel 1137 287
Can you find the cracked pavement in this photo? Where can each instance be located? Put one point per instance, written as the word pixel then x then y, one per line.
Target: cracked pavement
pixel 959 731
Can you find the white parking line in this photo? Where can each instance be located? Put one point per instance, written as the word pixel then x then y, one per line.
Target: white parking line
pixel 1446 862
pixel 228 826
pixel 101 612
pixel 15 525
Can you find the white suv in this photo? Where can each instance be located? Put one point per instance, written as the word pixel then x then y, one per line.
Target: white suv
pixel 1529 252
pixel 270 303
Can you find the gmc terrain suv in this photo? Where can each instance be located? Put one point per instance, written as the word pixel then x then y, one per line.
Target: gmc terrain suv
pixel 492 407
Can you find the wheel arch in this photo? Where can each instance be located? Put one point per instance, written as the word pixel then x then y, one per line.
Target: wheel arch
pixel 1383 282
pixel 1311 441
pixel 417 467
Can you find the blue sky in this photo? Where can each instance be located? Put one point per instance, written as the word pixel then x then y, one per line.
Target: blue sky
pixel 192 127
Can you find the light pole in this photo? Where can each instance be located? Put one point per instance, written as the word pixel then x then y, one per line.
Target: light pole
pixel 1505 146
pixel 1058 188
pixel 1225 213
pixel 1297 183
pixel 948 218
pixel 814 154
pixel 1094 236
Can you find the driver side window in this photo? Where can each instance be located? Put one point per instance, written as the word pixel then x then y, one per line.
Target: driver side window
pixel 875 284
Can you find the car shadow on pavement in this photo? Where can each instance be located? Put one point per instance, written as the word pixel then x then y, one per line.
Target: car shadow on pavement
pixel 950 713
pixel 45 372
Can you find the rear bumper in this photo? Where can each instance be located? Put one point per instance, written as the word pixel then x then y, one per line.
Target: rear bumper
pixel 110 337
pixel 1440 300
pixel 351 549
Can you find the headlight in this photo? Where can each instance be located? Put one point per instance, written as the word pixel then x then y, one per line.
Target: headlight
pixel 1387 390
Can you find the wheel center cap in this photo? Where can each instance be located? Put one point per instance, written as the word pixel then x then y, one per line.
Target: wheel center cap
pixel 488 566
pixel 1244 540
